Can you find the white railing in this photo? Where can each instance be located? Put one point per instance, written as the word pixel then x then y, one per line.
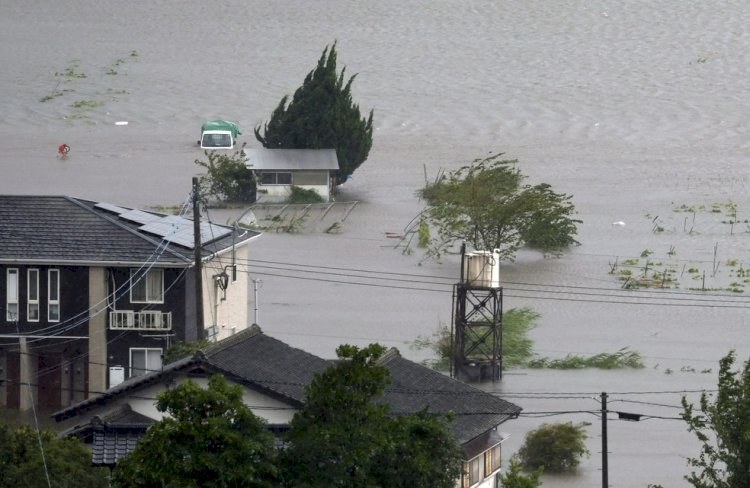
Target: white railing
pixel 143 320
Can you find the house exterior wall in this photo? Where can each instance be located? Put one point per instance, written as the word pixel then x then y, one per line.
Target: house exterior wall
pixel 120 341
pixel 225 311
pixel 318 181
pixel 52 356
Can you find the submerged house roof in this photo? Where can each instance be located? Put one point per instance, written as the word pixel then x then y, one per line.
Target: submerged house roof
pixel 274 368
pixel 292 159
pixel 67 230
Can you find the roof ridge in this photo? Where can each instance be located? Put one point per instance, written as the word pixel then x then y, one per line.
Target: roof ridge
pixel 230 341
pixel 388 356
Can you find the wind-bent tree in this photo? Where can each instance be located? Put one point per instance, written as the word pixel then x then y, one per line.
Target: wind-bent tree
pixel 343 437
pixel 227 177
pixel 322 115
pixel 31 458
pixel 722 425
pixel 212 439
pixel 488 205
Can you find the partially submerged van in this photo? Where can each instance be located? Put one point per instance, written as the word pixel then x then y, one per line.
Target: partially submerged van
pixel 219 134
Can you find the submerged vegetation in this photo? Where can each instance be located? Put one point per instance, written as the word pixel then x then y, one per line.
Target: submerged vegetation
pixel 73 79
pixel 714 273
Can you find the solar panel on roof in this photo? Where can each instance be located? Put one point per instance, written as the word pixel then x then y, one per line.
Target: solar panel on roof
pixel 139 216
pixel 179 230
pixel 111 208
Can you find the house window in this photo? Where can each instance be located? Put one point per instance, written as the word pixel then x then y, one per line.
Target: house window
pixel 144 360
pixel 148 287
pixel 492 460
pixel 53 295
pixel 276 178
pixel 11 295
pixel 32 287
pixel 474 471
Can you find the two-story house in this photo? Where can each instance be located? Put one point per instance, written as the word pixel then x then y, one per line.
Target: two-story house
pixel 92 294
pixel 274 376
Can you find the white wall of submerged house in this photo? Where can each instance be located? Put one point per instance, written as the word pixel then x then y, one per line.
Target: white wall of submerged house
pixel 281 193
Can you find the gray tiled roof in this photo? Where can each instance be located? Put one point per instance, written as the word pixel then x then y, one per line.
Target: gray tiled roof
pixel 260 158
pixel 112 444
pixel 60 229
pixel 266 363
pixel 278 369
pixel 414 387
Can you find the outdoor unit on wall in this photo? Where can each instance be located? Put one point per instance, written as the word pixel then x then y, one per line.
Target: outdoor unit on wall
pixel 482 269
pixel 116 375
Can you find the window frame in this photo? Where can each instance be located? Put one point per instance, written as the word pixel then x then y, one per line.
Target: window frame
pixel 143 279
pixel 53 295
pixel 11 300
pixel 147 368
pixel 32 294
pixel 275 175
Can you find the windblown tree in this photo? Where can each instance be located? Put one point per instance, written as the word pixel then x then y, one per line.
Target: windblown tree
pixel 322 115
pixel 343 437
pixel 722 425
pixel 211 439
pixel 488 205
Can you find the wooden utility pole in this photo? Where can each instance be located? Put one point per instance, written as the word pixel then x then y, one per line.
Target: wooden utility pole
pixel 198 260
pixel 605 468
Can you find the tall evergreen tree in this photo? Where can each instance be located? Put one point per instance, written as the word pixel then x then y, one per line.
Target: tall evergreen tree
pixel 322 115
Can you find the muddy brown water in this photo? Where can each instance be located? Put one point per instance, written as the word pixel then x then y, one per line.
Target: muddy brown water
pixel 634 108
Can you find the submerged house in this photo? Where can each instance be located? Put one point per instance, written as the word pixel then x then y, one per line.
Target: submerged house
pixel 274 376
pixel 92 294
pixel 276 171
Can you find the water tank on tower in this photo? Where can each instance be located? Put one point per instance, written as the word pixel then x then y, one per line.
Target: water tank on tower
pixel 482 269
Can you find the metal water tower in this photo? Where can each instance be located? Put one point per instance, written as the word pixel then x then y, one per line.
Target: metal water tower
pixel 476 337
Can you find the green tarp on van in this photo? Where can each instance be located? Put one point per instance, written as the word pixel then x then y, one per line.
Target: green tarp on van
pixel 222 125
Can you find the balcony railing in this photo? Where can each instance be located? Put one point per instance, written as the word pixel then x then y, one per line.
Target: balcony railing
pixel 143 320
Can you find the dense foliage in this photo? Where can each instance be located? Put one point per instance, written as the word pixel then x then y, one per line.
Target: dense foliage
pixel 722 425
pixel 556 447
pixel 211 439
pixel 343 437
pixel 514 477
pixel 65 461
pixel 227 177
pixel 487 205
pixel 322 115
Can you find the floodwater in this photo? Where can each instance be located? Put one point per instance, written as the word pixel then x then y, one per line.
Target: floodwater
pixel 635 108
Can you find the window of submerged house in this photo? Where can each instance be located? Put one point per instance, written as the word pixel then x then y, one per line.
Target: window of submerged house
pixel 276 178
pixel 492 460
pixel 148 287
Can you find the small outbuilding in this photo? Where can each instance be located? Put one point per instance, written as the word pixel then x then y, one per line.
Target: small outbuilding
pixel 276 171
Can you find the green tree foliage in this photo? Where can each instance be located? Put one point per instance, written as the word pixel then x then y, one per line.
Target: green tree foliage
pixel 211 439
pixel 227 178
pixel 722 425
pixel 68 462
pixel 343 437
pixel 488 205
pixel 322 115
pixel 514 477
pixel 556 447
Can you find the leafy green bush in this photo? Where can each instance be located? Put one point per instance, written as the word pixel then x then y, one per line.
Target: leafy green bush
pixel 227 178
pixel 556 447
pixel 302 195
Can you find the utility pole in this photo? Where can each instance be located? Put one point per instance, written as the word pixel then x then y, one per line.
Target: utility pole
pixel 198 260
pixel 605 468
